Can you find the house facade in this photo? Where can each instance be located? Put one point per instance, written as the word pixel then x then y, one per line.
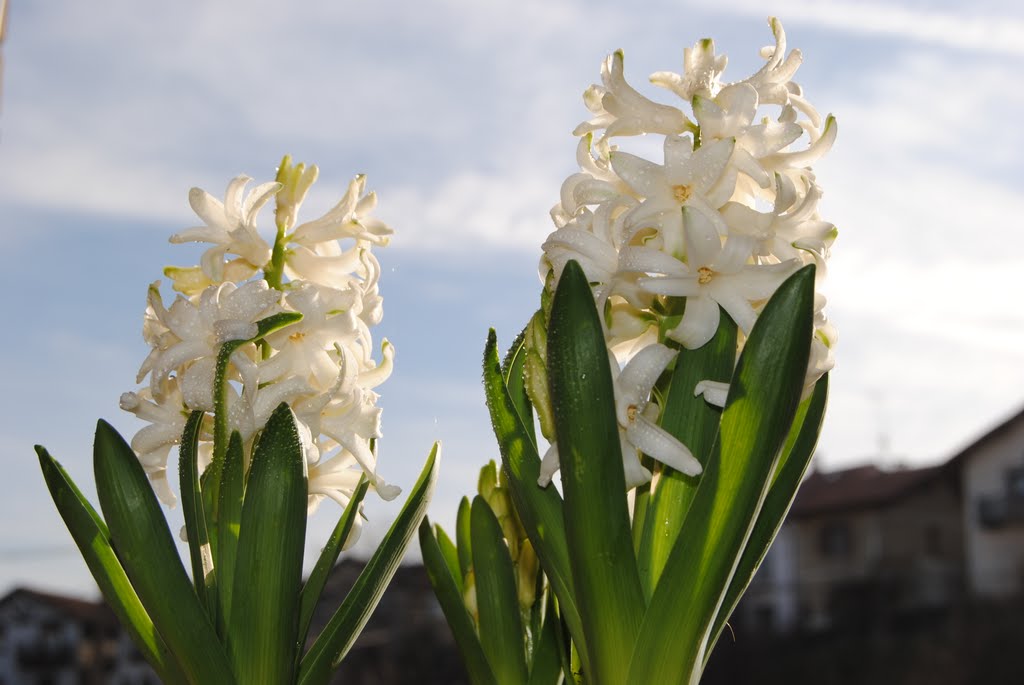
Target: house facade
pixel 992 469
pixel 54 640
pixel 867 543
pixel 859 545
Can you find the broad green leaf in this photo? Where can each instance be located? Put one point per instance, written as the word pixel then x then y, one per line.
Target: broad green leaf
pixel 763 398
pixel 93 539
pixel 546 668
pixel 512 372
pixel 268 572
pixel 139 533
pixel 597 524
pixel 344 627
pixel 695 423
pixel 328 557
pixel 463 539
pixel 501 627
pixel 450 598
pixel 793 462
pixel 450 553
pixel 204 576
pixel 539 509
pixel 232 493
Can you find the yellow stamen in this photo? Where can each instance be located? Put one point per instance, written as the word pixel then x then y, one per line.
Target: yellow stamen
pixel 704 275
pixel 682 193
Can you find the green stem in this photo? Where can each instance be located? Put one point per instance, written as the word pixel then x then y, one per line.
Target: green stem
pixel 274 271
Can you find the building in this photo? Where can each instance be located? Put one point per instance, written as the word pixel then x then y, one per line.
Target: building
pixel 992 471
pixel 860 545
pixel 407 639
pixel 53 640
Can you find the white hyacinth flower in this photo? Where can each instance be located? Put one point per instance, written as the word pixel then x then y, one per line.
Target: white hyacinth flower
pixel 729 212
pixel 636 414
pixel 230 225
pixel 322 365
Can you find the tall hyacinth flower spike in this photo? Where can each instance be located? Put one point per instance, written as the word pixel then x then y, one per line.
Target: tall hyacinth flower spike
pixel 262 375
pixel 678 369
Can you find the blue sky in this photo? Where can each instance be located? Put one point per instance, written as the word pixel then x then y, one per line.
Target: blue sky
pixel 460 114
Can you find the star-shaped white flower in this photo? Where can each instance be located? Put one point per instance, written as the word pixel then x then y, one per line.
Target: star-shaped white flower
pixel 622 111
pixel 229 225
pixel 153 442
pixel 688 178
pixel 701 72
pixel 194 332
pixel 636 415
pixel 714 275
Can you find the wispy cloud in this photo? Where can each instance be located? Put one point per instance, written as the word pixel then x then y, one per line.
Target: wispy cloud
pixel 966 27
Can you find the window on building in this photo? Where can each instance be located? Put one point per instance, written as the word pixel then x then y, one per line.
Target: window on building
pixel 836 541
pixel 1015 482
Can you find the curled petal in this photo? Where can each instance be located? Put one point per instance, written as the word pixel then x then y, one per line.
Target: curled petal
pixel 801 158
pixel 714 392
pixel 548 465
pixel 635 473
pixel 633 386
pixel 662 446
pixel 374 377
pixel 699 323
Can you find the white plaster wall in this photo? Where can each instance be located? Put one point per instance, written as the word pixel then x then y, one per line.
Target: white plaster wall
pixel 995 557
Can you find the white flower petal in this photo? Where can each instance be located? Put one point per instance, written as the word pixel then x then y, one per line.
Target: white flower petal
pixel 714 392
pixel 699 323
pixel 662 446
pixel 548 465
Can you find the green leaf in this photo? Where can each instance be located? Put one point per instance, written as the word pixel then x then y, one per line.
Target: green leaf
pixel 501 627
pixel 450 598
pixel 793 463
pixel 450 553
pixel 546 668
pixel 597 524
pixel 232 494
pixel 213 477
pixel 539 509
pixel 328 557
pixel 268 573
pixel 463 538
pixel 93 539
pixel 763 398
pixel 641 505
pixel 695 423
pixel 512 372
pixel 274 322
pixel 139 533
pixel 204 576
pixel 344 627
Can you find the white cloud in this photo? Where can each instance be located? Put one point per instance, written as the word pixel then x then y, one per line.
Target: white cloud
pixel 999 31
pixel 460 113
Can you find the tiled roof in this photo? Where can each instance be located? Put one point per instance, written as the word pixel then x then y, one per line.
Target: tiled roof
pixel 863 487
pixel 71 607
